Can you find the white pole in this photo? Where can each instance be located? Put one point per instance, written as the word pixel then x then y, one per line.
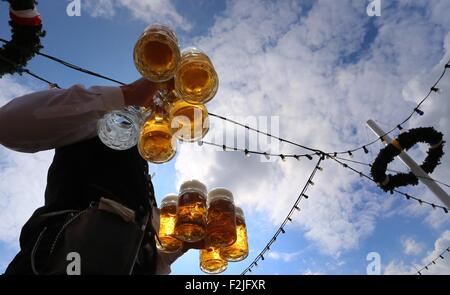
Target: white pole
pixel 415 168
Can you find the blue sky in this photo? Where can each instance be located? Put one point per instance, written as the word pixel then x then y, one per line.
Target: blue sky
pixel 323 68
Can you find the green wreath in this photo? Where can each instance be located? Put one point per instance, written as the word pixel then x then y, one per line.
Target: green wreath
pixel 404 142
pixel 26 29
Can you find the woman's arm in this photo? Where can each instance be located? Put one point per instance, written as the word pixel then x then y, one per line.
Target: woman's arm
pixel 52 118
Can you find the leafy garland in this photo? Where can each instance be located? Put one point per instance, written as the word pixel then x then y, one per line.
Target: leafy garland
pixel 26 29
pixel 406 141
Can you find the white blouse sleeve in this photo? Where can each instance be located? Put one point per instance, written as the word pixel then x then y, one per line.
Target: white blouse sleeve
pixel 57 117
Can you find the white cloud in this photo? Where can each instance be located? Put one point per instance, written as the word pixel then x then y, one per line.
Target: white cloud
pixel 22 177
pixel 411 246
pixel 441 267
pixel 283 256
pixel 149 11
pixel 271 61
pixel 309 272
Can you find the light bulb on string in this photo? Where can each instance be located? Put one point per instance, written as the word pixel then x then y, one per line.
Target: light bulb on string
pixel 365 150
pixel 247 153
pixel 419 111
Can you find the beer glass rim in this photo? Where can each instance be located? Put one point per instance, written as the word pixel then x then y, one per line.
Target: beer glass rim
pixel 169 198
pixel 195 51
pixel 193 185
pixel 239 211
pixel 164 27
pixel 220 192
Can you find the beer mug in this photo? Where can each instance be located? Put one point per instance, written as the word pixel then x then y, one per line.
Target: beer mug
pixel 221 218
pixel 211 262
pixel 156 53
pixel 196 80
pixel 190 122
pixel 155 142
pixel 166 241
pixel 119 130
pixel 238 250
pixel 191 213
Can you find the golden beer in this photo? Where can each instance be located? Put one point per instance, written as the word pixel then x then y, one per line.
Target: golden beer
pixel 191 214
pixel 166 240
pixel 155 141
pixel 190 122
pixel 221 218
pixel 196 80
pixel 238 250
pixel 211 262
pixel 156 53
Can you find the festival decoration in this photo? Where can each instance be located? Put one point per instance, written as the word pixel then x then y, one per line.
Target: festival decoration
pixel 26 28
pixel 405 141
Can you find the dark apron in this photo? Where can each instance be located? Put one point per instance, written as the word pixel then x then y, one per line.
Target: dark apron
pixel 78 177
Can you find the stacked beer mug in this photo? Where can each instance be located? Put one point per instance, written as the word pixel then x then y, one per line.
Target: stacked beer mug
pixel 207 219
pixel 178 111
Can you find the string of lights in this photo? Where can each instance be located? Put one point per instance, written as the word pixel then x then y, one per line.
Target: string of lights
pixel 264 133
pixel 433 262
pixel 27 71
pixel 281 229
pixel 248 152
pixel 70 65
pixel 433 89
pixel 405 195
pixel 391 170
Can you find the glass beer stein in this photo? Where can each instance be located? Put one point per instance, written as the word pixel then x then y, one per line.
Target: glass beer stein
pixel 211 262
pixel 196 80
pixel 119 130
pixel 155 143
pixel 221 218
pixel 156 53
pixel 189 122
pixel 191 213
pixel 238 250
pixel 166 241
